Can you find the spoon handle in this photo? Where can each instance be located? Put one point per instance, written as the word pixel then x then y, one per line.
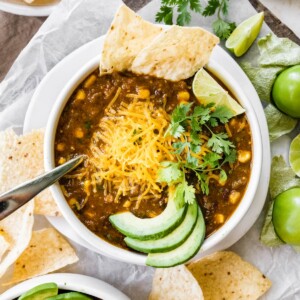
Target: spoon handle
pixel 18 196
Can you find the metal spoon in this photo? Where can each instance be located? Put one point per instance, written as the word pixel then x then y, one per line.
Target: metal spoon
pixel 20 195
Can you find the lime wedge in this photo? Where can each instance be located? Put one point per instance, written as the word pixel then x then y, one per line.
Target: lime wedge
pixel 244 35
pixel 207 90
pixel 295 155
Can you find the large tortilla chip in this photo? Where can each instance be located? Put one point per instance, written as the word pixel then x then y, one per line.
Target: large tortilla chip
pixel 175 284
pixel 4 245
pixel 48 251
pixel 16 229
pixel 176 54
pixel 127 36
pixel 224 275
pixel 21 159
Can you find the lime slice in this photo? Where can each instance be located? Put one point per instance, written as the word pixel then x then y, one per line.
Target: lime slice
pixel 295 154
pixel 207 90
pixel 244 35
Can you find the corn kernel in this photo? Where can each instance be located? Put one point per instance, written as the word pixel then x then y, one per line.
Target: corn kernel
pixel 234 197
pixel 86 186
pixel 61 160
pixel 60 147
pixel 183 96
pixel 79 133
pixel 219 218
pixel 232 122
pixel 81 95
pixel 90 81
pixel 151 214
pixel 244 156
pixel 74 203
pixel 144 93
pixel 127 204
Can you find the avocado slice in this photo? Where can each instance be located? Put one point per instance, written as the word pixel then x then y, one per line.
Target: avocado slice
pixel 70 296
pixel 150 228
pixel 170 241
pixel 182 253
pixel 41 291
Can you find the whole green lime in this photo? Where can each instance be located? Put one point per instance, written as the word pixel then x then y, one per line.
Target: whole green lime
pixel 286 216
pixel 286 91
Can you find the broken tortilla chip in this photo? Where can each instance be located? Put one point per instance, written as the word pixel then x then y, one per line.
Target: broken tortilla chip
pixel 175 284
pixel 48 251
pixel 127 36
pixel 24 155
pixel 16 229
pixel 176 54
pixel 224 275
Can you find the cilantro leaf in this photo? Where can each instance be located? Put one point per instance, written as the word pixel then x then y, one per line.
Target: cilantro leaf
pixel 179 146
pixel 184 16
pixel 174 129
pixel 219 8
pixel 195 148
pixel 203 183
pixel 189 193
pixel 195 138
pixel 211 8
pixel 180 112
pixel 224 7
pixel 170 172
pixel 222 28
pixel 195 6
pixel 222 113
pixel 213 122
pixel 191 162
pixel 219 143
pixel 195 125
pixel 231 157
pixel 223 176
pixel 165 14
pixel 211 159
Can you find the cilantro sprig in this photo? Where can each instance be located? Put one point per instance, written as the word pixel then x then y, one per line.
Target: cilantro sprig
pixel 184 7
pixel 188 127
pixel 221 27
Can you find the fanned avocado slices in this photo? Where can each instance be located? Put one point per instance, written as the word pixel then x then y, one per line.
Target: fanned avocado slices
pixel 151 228
pixel 182 253
pixel 170 241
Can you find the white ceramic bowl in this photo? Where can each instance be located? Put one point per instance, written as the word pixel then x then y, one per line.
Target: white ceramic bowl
pixel 71 282
pixel 24 9
pixel 123 255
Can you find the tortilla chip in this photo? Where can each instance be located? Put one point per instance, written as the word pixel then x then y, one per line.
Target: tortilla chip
pixel 127 36
pixel 224 275
pixel 175 284
pixel 16 229
pixel 24 155
pixel 48 251
pixel 4 245
pixel 176 54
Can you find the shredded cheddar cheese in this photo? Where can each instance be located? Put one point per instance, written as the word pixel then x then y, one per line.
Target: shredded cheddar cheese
pixel 128 148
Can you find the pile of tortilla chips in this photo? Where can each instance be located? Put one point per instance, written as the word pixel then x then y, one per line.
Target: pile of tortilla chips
pixel 222 275
pixel 174 53
pixel 31 252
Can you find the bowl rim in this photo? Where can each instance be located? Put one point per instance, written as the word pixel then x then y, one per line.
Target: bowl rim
pixel 115 252
pixel 68 281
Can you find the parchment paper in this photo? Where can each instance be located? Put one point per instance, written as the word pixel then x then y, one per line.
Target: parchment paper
pixel 72 24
